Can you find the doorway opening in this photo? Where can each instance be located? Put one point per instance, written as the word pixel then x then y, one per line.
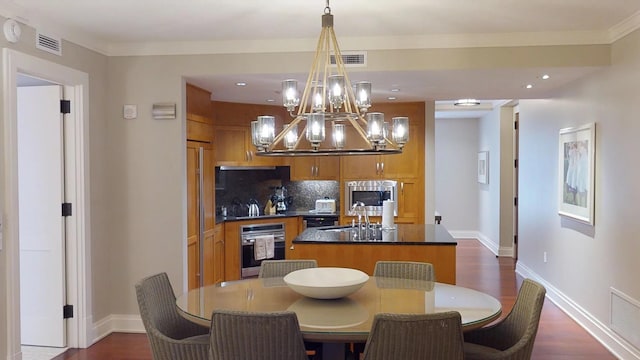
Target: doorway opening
pixel 77 249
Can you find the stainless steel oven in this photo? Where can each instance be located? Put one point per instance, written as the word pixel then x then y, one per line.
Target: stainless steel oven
pixel 248 233
pixel 371 193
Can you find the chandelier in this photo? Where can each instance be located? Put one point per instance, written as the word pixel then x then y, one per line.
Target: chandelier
pixel 329 101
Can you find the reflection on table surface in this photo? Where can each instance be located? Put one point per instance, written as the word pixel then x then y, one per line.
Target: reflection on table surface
pixel 346 319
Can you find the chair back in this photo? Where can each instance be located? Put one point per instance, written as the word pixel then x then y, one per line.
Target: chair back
pixel 521 325
pixel 512 337
pixel 165 327
pixel 256 336
pixel 280 268
pixel 415 336
pixel 405 270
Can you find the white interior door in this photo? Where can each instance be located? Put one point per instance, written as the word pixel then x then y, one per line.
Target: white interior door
pixel 41 225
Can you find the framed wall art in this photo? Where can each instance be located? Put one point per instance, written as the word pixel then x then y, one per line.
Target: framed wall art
pixel 483 167
pixel 576 172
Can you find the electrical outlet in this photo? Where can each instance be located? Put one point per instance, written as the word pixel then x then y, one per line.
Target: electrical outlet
pixel 544 256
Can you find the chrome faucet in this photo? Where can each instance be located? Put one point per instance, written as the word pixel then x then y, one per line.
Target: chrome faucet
pixel 360 209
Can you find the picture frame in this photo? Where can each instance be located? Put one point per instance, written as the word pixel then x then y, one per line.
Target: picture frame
pixel 576 173
pixel 483 167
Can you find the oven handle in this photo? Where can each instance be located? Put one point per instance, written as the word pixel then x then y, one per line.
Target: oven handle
pixel 250 241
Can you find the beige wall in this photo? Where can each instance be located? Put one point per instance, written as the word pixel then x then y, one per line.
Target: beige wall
pixel 137 189
pixel 583 261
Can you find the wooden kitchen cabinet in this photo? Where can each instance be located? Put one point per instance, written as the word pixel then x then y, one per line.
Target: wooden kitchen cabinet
pixel 218 253
pixel 315 168
pixel 234 147
pixel 410 201
pixel 200 213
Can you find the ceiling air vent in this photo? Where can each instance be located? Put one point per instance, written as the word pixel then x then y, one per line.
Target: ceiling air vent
pixel 352 58
pixel 48 43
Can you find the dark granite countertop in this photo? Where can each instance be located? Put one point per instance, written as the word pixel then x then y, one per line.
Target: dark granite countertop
pixel 221 219
pixel 404 234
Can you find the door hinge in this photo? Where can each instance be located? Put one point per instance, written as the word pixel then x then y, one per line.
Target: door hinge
pixel 515 163
pixel 65 106
pixel 515 201
pixel 66 209
pixel 67 311
pixel 515 239
pixel 515 125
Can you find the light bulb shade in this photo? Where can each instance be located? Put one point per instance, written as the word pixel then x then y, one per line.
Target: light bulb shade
pixel 291 137
pixel 335 87
pixel 266 129
pixel 315 129
pixel 317 99
pixel 255 134
pixel 290 97
pixel 400 130
pixel 363 95
pixel 338 136
pixel 375 126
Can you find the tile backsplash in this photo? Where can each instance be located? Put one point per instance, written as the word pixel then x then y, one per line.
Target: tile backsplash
pixel 235 188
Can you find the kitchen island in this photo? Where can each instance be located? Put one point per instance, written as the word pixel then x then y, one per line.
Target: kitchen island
pixel 342 247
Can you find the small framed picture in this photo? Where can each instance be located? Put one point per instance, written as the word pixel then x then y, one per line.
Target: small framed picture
pixel 576 161
pixel 483 167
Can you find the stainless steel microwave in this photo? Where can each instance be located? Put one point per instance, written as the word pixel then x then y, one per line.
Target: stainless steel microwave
pixel 371 193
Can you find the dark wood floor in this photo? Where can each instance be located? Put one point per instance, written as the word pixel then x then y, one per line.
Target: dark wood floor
pixel 559 337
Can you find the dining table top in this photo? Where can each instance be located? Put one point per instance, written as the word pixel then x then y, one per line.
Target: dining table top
pixel 347 319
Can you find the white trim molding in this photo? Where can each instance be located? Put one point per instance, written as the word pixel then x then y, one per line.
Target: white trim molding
pixel 117 323
pixel 601 332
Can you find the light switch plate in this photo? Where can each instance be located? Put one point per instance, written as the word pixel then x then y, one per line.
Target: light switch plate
pixel 130 111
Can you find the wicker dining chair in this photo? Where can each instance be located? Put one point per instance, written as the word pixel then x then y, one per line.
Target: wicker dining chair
pixel 405 269
pixel 170 335
pixel 513 337
pixel 415 337
pixel 256 336
pixel 280 268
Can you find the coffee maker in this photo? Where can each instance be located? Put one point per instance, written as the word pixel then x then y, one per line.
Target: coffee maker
pixel 280 199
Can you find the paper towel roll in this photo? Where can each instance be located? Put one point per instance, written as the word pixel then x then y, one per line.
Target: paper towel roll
pixel 387 214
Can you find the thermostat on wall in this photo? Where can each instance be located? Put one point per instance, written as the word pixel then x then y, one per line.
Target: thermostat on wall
pixel 130 111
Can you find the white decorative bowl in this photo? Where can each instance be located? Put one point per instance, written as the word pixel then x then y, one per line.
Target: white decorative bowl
pixel 326 282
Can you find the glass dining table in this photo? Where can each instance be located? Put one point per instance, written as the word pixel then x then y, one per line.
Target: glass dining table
pixel 346 319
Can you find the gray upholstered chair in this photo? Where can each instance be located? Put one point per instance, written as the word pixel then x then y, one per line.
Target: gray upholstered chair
pixel 170 335
pixel 405 270
pixel 513 337
pixel 256 336
pixel 280 268
pixel 415 337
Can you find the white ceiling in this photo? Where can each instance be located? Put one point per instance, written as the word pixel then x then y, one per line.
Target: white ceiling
pixel 139 27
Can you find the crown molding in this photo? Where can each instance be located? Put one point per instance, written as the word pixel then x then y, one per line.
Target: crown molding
pixel 624 27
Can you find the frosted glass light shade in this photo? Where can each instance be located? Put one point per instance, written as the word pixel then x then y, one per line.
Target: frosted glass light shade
pixel 266 129
pixel 375 126
pixel 290 96
pixel 335 87
pixel 363 95
pixel 317 99
pixel 400 130
pixel 338 136
pixel 291 137
pixel 315 129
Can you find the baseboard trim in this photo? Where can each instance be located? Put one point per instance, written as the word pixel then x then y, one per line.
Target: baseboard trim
pixel 602 333
pixel 117 323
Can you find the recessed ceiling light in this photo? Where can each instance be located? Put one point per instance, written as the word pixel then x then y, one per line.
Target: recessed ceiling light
pixel 270 100
pixel 545 77
pixel 466 102
pixel 395 90
pixel 241 83
pixel 529 86
pixel 391 98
